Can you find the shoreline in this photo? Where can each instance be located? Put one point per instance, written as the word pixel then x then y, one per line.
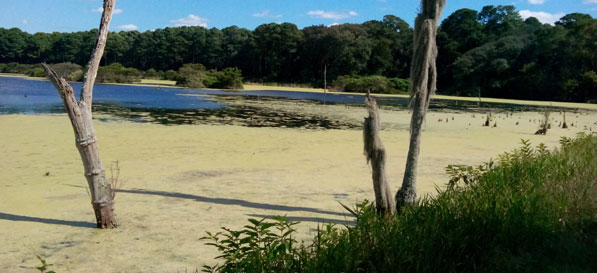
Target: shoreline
pixel 254 87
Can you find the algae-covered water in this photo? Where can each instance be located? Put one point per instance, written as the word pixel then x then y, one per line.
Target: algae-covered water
pixel 174 106
pixel 227 157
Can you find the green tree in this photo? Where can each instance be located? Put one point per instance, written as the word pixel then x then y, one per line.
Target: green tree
pixel 13 43
pixel 499 20
pixel 276 48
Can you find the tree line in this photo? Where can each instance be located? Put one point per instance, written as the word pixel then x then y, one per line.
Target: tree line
pixel 492 52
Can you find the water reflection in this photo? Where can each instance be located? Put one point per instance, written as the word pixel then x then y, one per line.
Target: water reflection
pixel 175 106
pixel 242 115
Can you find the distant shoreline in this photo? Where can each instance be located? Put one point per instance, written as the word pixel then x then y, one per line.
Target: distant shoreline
pixel 256 87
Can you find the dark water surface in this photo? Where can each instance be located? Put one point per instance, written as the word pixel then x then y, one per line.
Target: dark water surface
pixel 171 106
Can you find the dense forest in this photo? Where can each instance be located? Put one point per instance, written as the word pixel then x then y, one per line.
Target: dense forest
pixel 492 52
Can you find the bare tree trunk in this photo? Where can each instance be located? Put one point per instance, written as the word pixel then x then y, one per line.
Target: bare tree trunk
pixel 423 77
pixel 79 112
pixel 325 78
pixel 376 155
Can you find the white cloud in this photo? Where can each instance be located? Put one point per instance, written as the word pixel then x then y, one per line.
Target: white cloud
pixel 333 24
pixel 128 27
pixel 590 1
pixel 24 22
pixel 115 11
pixel 267 13
pixel 543 17
pixel 190 20
pixel 536 2
pixel 335 15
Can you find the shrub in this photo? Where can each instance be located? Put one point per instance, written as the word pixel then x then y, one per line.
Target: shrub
pixel 376 84
pixel 400 84
pixel 16 68
pixel 261 246
pixel 192 75
pixel 116 73
pixel 69 71
pixel 197 76
pixel 229 78
pixel 37 72
pixel 531 210
pixel 151 74
pixel 170 75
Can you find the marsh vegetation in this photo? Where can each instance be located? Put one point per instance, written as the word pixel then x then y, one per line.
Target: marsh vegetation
pixel 531 209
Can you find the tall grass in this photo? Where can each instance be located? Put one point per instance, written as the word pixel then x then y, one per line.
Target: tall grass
pixel 532 210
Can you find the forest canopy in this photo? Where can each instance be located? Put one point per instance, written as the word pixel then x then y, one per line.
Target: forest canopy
pixel 493 52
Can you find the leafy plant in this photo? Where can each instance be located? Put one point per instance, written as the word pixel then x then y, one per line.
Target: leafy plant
pixel 531 210
pixel 45 267
pixel 262 246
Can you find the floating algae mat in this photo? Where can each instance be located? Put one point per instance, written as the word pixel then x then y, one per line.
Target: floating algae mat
pixel 181 181
pixel 247 111
pixel 258 108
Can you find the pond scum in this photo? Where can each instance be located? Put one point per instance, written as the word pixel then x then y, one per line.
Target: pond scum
pixel 531 210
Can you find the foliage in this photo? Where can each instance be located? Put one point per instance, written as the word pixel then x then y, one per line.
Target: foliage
pixel 69 71
pixel 463 174
pixel 492 51
pixel 230 77
pixel 17 68
pixel 197 76
pixel 193 76
pixel 532 210
pixel 262 246
pixel 45 267
pixel 376 84
pixel 117 73
pixel 152 74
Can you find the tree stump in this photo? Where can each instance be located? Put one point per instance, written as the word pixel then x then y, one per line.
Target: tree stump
pixel 376 155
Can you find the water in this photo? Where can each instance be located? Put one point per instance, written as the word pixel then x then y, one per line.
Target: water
pixel 172 106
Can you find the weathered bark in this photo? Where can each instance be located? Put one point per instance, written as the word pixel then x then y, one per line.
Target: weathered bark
pixel 325 78
pixel 79 112
pixel 376 155
pixel 423 77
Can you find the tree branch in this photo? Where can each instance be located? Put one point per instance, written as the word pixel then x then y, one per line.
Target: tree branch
pixel 64 89
pixel 96 55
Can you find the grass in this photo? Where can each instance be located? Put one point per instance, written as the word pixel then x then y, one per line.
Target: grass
pixel 158 82
pixel 531 210
pixel 588 106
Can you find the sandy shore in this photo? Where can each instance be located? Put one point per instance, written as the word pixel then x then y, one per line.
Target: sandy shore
pixel 587 106
pixel 181 181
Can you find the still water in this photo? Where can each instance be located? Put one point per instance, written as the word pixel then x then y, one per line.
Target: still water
pixel 171 106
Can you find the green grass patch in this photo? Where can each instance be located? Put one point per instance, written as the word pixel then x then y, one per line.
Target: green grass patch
pixel 530 210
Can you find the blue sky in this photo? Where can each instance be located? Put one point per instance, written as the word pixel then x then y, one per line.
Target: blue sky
pixel 75 15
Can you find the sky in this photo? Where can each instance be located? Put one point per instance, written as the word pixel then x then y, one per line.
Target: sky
pixel 77 15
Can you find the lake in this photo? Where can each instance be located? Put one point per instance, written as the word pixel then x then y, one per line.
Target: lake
pixel 181 181
pixel 171 106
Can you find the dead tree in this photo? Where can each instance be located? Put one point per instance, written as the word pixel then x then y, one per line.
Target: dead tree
pixel 376 155
pixel 325 78
pixel 423 77
pixel 544 126
pixel 487 120
pixel 79 112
